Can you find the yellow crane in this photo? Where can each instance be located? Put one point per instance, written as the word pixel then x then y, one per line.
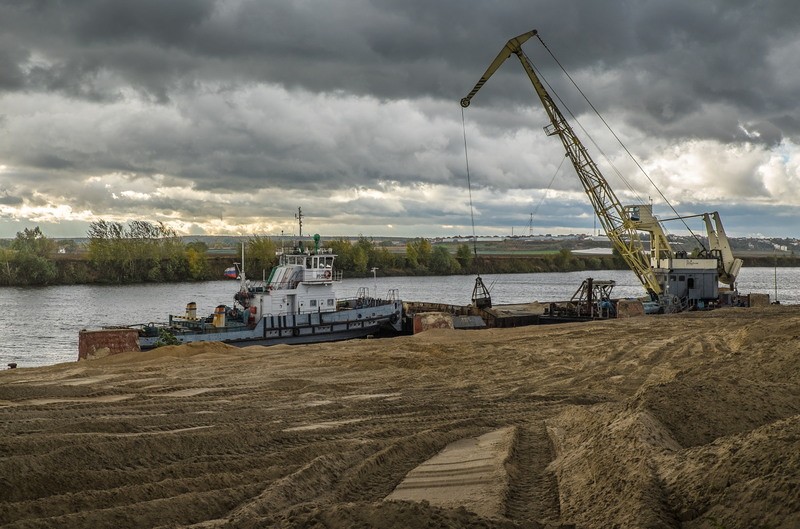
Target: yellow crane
pixel 659 268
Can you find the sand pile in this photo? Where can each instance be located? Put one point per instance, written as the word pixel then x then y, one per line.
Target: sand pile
pixel 683 421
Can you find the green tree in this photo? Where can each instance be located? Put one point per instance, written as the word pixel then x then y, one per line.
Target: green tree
pixel 412 256
pixel 464 256
pixel 141 252
pixel 384 259
pixel 198 263
pixel 442 262
pixel 105 249
pixel 418 252
pixel 260 255
pixel 197 260
pixel 376 256
pixel 31 263
pixel 8 266
pixel 360 260
pixel 343 250
pixel 32 269
pixel 563 259
pixel 33 242
pixel 424 250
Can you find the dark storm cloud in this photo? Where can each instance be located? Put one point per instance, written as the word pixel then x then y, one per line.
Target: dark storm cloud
pixel 168 23
pixel 226 96
pixel 10 200
pixel 11 75
pixel 670 58
pixel 50 161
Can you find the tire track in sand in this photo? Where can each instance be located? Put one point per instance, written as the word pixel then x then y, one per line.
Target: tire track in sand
pixel 532 489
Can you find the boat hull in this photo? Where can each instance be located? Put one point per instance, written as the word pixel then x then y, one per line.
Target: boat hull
pixel 288 328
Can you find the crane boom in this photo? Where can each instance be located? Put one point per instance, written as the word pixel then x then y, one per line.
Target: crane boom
pixel 619 225
pixel 675 279
pixel 729 265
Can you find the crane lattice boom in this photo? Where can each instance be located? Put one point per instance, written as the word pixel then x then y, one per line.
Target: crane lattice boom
pixel 615 219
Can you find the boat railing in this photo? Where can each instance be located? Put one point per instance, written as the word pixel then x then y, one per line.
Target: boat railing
pixel 360 302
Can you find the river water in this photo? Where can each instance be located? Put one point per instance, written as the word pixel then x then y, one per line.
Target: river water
pixel 39 326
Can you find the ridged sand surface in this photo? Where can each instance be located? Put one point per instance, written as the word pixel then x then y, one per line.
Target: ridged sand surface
pixel 680 421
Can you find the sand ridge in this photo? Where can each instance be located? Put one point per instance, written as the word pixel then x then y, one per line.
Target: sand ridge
pixel 682 421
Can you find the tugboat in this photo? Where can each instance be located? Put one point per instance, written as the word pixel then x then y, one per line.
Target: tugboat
pixel 295 304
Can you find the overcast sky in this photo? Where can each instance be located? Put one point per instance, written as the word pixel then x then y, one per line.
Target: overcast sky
pixel 225 116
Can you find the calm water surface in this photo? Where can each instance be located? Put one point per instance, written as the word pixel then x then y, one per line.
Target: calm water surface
pixel 39 326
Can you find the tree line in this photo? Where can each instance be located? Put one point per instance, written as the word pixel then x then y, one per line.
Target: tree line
pixel 141 252
pixel 115 253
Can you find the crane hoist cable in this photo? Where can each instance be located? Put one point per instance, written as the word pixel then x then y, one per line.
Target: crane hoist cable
pixel 654 266
pixel 563 159
pixel 577 121
pixel 481 296
pixel 610 212
pixel 591 138
pixel 624 147
pixel 469 185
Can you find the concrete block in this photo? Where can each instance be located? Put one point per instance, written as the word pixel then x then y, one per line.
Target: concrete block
pixel 629 308
pixel 757 300
pixel 105 342
pixel 432 320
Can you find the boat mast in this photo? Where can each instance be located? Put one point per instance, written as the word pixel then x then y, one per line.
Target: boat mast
pixel 299 217
pixel 241 272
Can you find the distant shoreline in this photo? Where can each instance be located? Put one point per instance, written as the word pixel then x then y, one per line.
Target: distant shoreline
pixel 71 266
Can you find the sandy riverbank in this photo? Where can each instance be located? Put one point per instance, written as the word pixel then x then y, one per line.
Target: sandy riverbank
pixel 684 421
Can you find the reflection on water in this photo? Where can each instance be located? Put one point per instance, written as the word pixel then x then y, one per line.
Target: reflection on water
pixel 39 326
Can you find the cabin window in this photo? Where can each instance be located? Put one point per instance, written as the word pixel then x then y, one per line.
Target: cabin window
pixel 672 278
pixel 681 278
pixel 313 303
pixel 330 302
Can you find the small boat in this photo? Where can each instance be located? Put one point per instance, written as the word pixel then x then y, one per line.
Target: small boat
pixel 295 304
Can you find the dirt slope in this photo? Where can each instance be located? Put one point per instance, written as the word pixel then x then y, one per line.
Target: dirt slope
pixel 685 421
